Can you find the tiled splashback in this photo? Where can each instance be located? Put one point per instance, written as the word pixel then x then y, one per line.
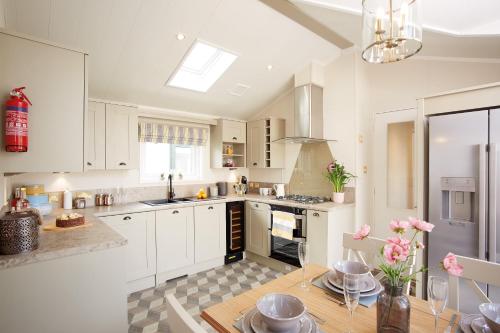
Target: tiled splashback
pixel 134 194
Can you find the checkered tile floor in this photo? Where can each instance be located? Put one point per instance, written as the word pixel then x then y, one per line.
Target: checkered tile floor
pixel 146 309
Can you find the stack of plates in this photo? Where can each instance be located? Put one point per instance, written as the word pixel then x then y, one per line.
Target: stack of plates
pixel 474 323
pixel 253 322
pixel 369 286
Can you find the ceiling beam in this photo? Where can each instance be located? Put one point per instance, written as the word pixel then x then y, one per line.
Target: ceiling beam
pixel 295 14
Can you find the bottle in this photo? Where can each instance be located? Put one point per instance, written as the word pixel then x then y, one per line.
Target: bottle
pixel 24 201
pixel 15 199
pixel 68 200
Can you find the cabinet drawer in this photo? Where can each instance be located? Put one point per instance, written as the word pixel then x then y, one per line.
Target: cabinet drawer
pixel 234 131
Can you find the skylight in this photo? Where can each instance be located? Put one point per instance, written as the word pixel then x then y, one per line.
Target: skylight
pixel 201 67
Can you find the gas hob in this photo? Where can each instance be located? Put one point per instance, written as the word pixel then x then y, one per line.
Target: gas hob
pixel 305 199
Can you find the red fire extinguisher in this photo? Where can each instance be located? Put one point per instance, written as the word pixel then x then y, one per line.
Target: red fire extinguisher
pixel 16 121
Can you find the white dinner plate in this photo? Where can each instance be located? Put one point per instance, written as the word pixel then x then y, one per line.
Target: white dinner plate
pixel 373 292
pixel 366 282
pixel 479 325
pixel 466 321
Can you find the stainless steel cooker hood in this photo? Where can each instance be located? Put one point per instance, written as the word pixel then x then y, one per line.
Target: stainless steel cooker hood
pixel 307 116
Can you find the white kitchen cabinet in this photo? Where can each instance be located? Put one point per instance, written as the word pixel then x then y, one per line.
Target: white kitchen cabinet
pixel 262 151
pixel 325 231
pixel 95 136
pixel 233 131
pixel 122 140
pixel 232 134
pixel 174 239
pixel 256 134
pixel 210 232
pixel 139 230
pixel 257 225
pixel 56 83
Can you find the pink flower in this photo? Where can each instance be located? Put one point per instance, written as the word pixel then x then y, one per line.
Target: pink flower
pixel 362 233
pixel 399 226
pixel 451 265
pixel 330 167
pixel 394 253
pixel 403 243
pixel 420 245
pixel 420 225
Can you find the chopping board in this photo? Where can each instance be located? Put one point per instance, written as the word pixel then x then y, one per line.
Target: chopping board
pixel 53 227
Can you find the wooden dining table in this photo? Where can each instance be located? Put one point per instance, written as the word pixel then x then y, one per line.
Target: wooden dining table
pixel 329 315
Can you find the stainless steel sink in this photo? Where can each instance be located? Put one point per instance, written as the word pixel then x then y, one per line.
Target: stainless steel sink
pixel 161 202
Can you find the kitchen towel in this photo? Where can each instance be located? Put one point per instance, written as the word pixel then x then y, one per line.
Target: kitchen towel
pixel 283 225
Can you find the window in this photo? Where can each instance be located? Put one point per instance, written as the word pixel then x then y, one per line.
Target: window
pixel 160 159
pixel 202 66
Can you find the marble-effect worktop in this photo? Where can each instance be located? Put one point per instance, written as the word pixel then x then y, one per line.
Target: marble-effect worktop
pixel 99 236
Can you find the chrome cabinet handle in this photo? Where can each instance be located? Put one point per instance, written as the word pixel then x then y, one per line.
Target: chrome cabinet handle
pixel 127 218
pixel 175 212
pixel 316 214
pixel 123 163
pixel 211 207
pixel 89 164
pixel 235 138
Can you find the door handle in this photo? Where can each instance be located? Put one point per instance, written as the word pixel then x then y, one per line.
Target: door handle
pixel 127 218
pixel 482 201
pixel 210 207
pixel 254 163
pixel 89 164
pixel 123 163
pixel 492 250
pixel 175 212
pixel 316 214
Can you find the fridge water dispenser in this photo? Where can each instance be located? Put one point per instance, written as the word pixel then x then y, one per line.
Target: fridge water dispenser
pixel 458 199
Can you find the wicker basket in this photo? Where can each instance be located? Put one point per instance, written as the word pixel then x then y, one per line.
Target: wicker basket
pixel 19 232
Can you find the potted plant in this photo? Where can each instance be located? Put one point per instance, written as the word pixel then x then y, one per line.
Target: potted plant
pixel 339 177
pixel 393 306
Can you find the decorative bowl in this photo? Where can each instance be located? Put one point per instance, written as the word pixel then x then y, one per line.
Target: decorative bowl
pixel 350 267
pixel 491 313
pixel 281 312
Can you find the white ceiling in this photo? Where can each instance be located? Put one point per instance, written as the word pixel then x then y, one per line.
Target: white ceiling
pixel 454 17
pixel 133 47
pixel 347 23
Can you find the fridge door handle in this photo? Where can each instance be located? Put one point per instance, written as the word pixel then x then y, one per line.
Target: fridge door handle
pixel 482 202
pixel 492 248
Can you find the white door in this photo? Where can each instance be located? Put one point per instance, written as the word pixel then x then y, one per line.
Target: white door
pixel 174 239
pixel 394 169
pixel 122 140
pixel 255 149
pixel 139 230
pixel 257 225
pixel 95 137
pixel 210 232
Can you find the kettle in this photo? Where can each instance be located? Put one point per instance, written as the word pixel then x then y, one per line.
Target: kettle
pixel 279 190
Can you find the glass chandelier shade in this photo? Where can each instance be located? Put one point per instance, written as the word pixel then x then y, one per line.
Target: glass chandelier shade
pixel 392 30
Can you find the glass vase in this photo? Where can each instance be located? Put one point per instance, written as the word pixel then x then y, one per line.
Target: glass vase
pixel 393 310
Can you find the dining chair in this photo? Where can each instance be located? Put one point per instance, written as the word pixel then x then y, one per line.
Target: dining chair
pixel 475 271
pixel 366 251
pixel 179 321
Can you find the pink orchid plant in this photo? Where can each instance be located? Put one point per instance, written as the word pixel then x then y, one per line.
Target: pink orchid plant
pixel 399 250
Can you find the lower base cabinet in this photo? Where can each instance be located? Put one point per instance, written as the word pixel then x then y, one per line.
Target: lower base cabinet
pixel 210 232
pixel 174 239
pixel 139 230
pixel 257 225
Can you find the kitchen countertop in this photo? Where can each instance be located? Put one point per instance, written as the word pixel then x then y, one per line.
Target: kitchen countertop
pixel 98 236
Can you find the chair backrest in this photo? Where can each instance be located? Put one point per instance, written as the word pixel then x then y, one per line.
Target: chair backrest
pixel 179 321
pixel 367 250
pixel 475 271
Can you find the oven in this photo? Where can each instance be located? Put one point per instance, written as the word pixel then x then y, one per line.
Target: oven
pixel 286 250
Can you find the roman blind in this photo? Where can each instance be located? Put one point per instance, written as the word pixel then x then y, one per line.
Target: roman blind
pixel 161 131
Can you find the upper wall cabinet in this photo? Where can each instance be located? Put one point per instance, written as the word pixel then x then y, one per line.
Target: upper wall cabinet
pixel 122 142
pixel 95 137
pixel 262 152
pixel 55 80
pixel 228 144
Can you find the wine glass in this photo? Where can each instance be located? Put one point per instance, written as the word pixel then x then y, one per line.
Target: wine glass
pixel 437 292
pixel 303 250
pixel 351 295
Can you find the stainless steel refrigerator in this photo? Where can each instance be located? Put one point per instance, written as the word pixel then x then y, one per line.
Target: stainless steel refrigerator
pixel 464 196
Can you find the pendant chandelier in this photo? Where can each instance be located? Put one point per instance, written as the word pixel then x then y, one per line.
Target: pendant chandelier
pixel 392 30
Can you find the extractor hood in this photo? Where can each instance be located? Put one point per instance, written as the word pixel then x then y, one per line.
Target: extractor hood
pixel 307 116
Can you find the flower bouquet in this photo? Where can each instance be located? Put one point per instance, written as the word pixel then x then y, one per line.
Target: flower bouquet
pixel 339 177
